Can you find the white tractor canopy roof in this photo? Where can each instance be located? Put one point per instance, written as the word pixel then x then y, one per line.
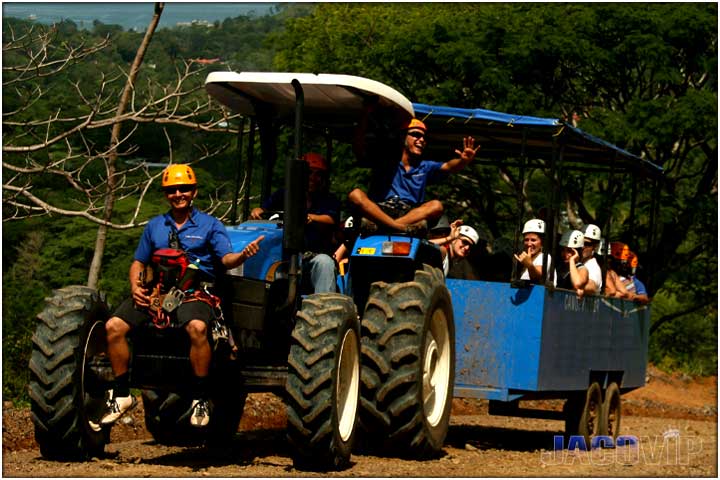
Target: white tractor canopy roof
pixel 331 101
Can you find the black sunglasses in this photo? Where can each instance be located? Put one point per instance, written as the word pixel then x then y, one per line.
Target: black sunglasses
pixel 416 134
pixel 180 188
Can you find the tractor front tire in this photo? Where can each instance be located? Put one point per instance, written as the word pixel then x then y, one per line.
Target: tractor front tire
pixel 323 382
pixel 408 359
pixel 167 416
pixel 67 400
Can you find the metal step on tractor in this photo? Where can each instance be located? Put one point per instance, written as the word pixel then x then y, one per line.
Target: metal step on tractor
pixel 374 360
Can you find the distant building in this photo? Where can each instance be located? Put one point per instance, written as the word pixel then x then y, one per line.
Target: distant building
pixel 202 23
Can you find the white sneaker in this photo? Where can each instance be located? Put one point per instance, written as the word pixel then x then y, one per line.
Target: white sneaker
pixel 117 407
pixel 200 413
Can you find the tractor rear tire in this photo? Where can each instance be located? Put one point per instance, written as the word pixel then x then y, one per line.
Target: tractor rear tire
pixel 408 359
pixel 67 400
pixel 323 382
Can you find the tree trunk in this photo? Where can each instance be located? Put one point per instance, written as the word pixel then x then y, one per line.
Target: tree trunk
pixel 100 239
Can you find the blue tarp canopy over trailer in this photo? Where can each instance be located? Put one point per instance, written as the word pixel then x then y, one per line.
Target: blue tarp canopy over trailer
pixel 506 136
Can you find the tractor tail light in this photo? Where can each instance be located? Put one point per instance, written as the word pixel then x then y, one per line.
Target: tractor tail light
pixel 396 248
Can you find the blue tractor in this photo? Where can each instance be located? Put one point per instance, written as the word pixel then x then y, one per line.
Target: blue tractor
pixel 375 360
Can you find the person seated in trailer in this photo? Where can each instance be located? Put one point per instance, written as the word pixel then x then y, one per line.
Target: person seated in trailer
pixel 592 241
pixel 571 273
pixel 531 258
pixel 456 246
pixel 323 213
pixel 619 255
pixel 396 199
pixel 205 241
pixel 636 289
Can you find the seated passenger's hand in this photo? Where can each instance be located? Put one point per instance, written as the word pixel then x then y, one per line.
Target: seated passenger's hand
pixel 253 247
pixel 140 297
pixel 575 257
pixel 256 213
pixel 469 150
pixel 524 258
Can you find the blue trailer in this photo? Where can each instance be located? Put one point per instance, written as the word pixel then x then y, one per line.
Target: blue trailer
pixel 524 343
pixel 519 341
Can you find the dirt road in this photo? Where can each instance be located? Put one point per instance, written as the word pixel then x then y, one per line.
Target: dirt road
pixel 674 420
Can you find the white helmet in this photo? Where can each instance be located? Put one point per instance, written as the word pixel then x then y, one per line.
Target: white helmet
pixel 534 226
pixel 592 232
pixel 572 239
pixel 469 232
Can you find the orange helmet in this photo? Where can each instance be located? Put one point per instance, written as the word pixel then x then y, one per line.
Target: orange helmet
pixel 415 123
pixel 619 250
pixel 316 161
pixel 178 174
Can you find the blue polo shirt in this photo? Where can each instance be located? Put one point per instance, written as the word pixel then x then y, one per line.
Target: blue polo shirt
pixel 203 237
pixel 639 287
pixel 410 185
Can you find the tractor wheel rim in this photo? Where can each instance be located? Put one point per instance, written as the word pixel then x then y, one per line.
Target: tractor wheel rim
pixel 436 368
pixel 347 384
pixel 87 399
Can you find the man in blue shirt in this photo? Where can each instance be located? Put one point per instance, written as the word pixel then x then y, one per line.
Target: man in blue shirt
pixel 323 215
pixel 205 241
pixel 397 195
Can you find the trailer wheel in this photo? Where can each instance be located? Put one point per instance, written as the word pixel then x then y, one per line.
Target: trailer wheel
pixel 589 424
pixel 323 382
pixel 408 348
pixel 611 412
pixel 66 394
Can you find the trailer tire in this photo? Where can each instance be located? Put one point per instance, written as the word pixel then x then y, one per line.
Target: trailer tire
pixel 590 424
pixel 408 348
pixel 611 412
pixel 323 382
pixel 66 399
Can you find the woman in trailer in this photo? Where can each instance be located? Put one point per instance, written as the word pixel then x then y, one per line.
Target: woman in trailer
pixel 572 274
